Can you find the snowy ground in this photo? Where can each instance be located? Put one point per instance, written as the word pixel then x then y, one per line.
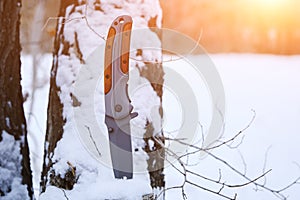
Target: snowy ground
pixel 267 84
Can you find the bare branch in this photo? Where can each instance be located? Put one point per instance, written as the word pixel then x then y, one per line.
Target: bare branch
pixel 228 185
pixel 265 164
pixel 296 181
pixel 244 162
pixel 67 20
pixel 236 135
pixel 179 57
pixel 65 194
pixel 90 134
pixel 196 149
pixel 211 191
pixel 184 173
pixel 275 192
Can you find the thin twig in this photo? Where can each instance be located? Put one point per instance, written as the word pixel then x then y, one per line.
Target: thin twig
pixel 90 134
pixel 277 193
pixel 244 162
pixel 184 173
pixel 179 57
pixel 67 20
pixel 265 163
pixel 229 185
pixel 65 194
pixel 236 135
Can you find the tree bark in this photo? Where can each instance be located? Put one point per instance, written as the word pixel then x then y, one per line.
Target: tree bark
pixel 155 74
pixel 55 120
pixel 12 119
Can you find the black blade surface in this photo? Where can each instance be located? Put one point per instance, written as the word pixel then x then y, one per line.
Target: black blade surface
pixel 120 147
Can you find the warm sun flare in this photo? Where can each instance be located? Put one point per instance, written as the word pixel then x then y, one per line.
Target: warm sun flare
pixel 269 3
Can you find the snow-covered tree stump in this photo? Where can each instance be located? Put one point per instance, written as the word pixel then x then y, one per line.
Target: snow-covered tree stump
pixel 69 169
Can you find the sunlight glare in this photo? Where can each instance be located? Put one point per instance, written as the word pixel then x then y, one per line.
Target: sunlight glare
pixel 270 3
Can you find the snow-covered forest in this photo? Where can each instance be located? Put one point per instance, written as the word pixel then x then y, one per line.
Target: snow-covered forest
pixel 208 122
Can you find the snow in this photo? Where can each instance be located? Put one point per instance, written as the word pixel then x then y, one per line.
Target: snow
pixel 85 140
pixel 36 118
pixel 10 169
pixel 267 84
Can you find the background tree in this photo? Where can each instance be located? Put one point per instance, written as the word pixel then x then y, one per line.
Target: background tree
pixel 15 173
pixel 82 27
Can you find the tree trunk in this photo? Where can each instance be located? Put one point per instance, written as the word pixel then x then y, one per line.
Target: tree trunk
pixel 74 43
pixel 15 172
